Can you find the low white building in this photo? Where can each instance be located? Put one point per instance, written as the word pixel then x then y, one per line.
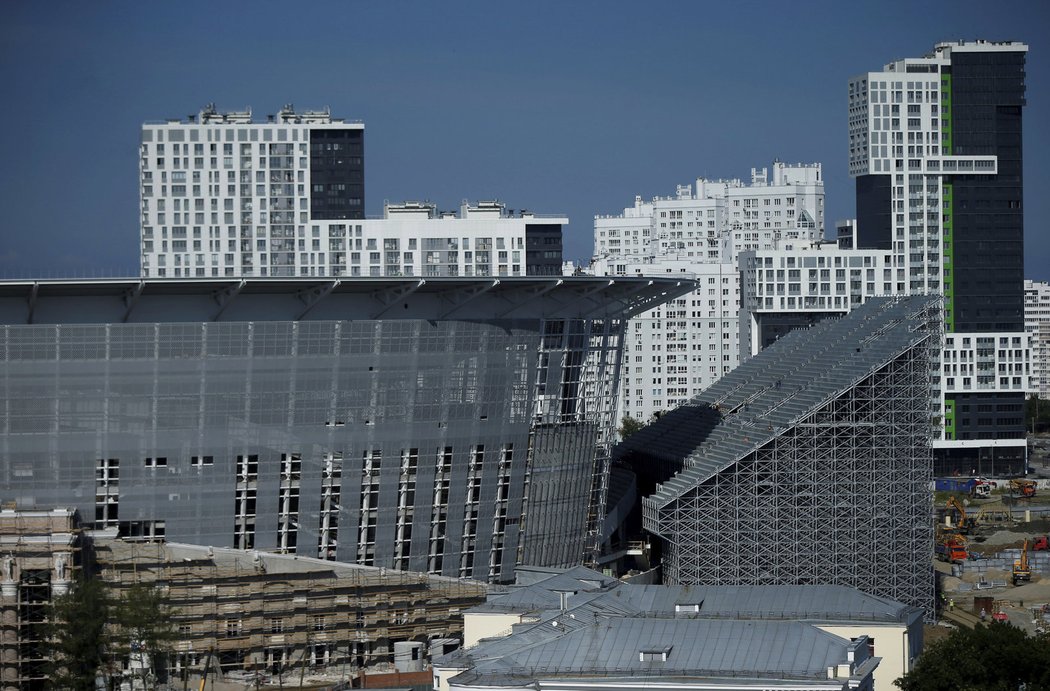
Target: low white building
pixel 579 628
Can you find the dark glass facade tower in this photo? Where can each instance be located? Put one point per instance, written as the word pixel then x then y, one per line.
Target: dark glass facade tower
pixel 935 146
pixel 337 174
pixel 987 94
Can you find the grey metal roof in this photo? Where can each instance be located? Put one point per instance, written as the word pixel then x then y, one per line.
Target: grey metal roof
pixel 528 574
pixel 766 395
pixel 824 603
pixel 698 648
pixel 528 599
pixel 766 632
pixel 140 300
pixel 771 602
pixel 544 594
pixel 575 579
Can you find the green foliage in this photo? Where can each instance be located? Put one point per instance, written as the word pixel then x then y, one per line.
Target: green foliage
pixel 78 637
pixel 144 629
pixel 628 426
pixel 92 634
pixel 996 657
pixel 1037 414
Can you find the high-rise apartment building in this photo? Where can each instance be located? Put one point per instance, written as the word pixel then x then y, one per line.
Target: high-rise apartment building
pixel 675 351
pixel 719 219
pixel 786 289
pixel 1037 324
pixel 935 148
pixel 224 196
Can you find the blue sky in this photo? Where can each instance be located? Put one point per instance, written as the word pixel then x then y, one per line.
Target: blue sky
pixel 558 107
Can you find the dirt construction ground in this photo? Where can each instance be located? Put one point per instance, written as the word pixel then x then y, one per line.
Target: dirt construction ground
pixel 1022 604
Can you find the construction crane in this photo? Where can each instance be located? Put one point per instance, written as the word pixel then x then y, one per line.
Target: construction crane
pixel 1022 572
pixel 965 524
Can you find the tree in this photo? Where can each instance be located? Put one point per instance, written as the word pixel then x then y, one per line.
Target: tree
pixel 78 636
pixel 144 631
pixel 628 426
pixel 997 657
pixel 1037 414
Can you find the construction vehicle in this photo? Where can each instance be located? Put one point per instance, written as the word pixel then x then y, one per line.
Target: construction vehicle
pixel 996 514
pixel 981 488
pixel 1024 488
pixel 952 549
pixel 1041 544
pixel 1022 573
pixel 965 524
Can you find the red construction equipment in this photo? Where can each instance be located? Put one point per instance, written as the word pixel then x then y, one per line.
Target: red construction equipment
pixel 952 548
pixel 1024 488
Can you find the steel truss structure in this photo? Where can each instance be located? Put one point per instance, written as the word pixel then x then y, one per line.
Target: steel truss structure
pixel 809 464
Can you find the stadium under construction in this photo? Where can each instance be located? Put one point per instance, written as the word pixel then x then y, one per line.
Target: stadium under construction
pixel 809 464
pixel 454 426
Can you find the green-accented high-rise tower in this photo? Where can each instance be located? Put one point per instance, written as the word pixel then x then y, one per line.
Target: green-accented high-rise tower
pixel 935 148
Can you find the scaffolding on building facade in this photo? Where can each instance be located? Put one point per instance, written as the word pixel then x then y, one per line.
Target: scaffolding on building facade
pixel 39 560
pixel 258 614
pixel 809 464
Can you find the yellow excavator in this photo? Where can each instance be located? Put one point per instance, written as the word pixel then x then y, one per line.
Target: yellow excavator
pixel 965 524
pixel 1022 573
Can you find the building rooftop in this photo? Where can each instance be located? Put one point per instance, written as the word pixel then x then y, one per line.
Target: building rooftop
pixel 981 45
pixel 482 210
pixel 733 636
pixel 154 300
pixel 825 603
pixel 767 602
pixel 645 648
pixel 210 115
pixel 232 561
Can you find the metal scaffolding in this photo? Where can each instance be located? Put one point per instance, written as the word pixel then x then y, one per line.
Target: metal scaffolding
pixel 262 614
pixel 40 557
pixel 809 464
